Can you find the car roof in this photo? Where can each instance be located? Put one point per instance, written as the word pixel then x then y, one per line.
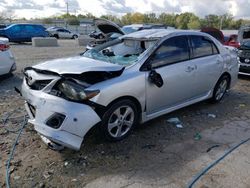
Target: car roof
pixel 159 33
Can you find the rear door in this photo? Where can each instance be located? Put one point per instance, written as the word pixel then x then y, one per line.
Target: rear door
pixel 171 61
pixel 208 63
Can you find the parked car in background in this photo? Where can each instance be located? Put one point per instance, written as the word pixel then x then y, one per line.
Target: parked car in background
pixel 107 29
pixel 2 26
pixel 23 32
pixel 61 33
pixel 244 50
pixel 216 33
pixel 130 80
pixel 97 35
pixel 232 40
pixel 7 62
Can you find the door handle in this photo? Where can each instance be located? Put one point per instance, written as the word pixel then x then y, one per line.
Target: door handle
pixel 190 69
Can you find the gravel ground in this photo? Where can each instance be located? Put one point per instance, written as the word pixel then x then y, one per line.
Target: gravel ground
pixel 156 154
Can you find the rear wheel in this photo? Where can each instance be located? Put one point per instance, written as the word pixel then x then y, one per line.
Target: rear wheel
pixel 220 88
pixel 119 120
pixel 56 36
pixel 75 37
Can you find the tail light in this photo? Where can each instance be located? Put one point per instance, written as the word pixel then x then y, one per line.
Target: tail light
pixel 4 47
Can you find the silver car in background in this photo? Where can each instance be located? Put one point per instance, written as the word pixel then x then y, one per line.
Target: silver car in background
pixel 129 80
pixel 7 61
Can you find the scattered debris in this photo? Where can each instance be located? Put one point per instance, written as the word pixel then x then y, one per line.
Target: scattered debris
pixel 41 185
pixel 74 180
pixel 17 177
pixel 176 121
pixel 148 146
pixel 48 173
pixel 66 163
pixel 242 105
pixel 197 136
pixel 214 146
pixel 211 115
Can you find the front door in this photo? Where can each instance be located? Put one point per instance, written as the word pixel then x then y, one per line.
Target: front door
pixel 171 62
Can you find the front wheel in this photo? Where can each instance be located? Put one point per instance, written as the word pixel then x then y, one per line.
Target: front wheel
pixel 220 88
pixel 119 120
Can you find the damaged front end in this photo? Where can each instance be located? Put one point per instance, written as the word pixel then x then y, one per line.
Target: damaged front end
pixel 60 106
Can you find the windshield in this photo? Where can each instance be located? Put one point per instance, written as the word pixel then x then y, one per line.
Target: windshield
pixel 125 52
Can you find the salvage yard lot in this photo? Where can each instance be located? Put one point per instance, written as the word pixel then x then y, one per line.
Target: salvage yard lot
pixel 156 154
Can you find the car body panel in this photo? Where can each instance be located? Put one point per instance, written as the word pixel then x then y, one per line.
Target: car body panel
pixel 244 57
pixel 77 65
pixel 180 88
pixel 7 61
pixel 72 131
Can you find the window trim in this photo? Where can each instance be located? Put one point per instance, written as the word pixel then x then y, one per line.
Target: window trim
pixel 145 67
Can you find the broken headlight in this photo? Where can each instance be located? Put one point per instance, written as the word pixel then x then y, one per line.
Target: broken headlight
pixel 75 91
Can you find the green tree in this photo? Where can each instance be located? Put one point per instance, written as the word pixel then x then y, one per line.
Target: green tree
pixel 187 20
pixel 167 19
pixel 150 18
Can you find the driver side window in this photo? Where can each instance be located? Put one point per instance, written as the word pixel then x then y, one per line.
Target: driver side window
pixel 171 51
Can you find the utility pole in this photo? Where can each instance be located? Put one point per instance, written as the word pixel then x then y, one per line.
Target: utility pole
pixel 67 5
pixel 221 19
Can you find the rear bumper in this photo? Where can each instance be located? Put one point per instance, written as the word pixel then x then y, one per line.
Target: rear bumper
pixel 79 118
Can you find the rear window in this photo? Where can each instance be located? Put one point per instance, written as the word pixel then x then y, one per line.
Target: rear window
pixel 202 46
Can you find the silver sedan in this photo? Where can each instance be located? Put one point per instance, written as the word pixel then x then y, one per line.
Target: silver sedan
pixel 127 81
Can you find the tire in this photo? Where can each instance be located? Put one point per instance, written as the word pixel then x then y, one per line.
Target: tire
pixel 74 37
pixel 56 36
pixel 220 89
pixel 119 120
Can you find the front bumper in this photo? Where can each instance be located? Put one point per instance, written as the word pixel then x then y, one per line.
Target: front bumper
pixel 79 118
pixel 244 69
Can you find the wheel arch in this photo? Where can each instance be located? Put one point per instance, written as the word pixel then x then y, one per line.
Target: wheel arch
pixel 229 76
pixel 131 98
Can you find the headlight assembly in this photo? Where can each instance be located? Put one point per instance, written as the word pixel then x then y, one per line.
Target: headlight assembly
pixel 75 91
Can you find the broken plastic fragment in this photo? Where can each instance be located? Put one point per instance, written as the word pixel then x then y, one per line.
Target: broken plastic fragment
pixel 211 115
pixel 176 122
pixel 242 105
pixel 197 136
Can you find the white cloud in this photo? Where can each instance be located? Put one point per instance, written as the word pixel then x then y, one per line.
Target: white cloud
pixel 38 8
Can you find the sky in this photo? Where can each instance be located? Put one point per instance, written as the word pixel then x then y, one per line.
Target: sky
pixel 45 8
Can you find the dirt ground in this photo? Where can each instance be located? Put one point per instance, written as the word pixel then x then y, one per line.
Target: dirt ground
pixel 156 154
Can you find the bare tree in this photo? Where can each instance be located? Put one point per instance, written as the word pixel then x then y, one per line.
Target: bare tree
pixel 7 15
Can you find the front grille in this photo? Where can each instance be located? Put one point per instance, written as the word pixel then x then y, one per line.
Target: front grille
pixel 38 84
pixel 245 54
pixel 242 60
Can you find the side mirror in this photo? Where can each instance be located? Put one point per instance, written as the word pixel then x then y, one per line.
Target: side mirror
pixel 155 78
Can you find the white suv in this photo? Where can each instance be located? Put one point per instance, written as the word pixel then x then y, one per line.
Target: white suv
pixel 7 62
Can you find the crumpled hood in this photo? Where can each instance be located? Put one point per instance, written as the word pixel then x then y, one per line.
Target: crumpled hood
pixel 77 65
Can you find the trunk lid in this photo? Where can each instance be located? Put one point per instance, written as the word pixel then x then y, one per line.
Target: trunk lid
pixel 107 27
